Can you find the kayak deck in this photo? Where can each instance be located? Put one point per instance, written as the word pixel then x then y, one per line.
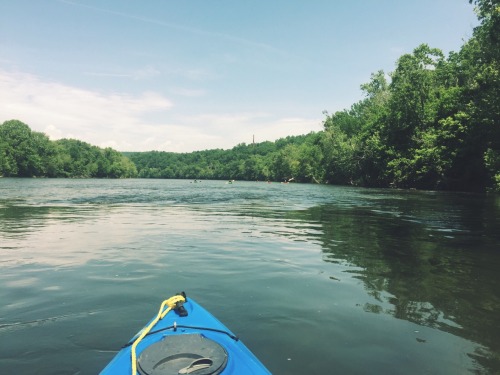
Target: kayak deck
pixel 198 326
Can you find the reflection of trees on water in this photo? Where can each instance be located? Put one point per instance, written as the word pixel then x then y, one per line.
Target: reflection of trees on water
pixel 426 261
pixel 18 219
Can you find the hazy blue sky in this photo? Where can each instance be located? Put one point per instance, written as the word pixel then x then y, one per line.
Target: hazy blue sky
pixel 202 74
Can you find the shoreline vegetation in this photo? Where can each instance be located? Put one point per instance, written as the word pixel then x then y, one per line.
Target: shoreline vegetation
pixel 432 124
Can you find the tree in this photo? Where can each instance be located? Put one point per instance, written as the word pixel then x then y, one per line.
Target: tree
pixel 412 92
pixel 19 153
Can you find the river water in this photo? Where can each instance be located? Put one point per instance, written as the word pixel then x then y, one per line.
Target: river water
pixel 314 279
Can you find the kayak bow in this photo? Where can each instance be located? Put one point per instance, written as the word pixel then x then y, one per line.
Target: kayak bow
pixel 184 338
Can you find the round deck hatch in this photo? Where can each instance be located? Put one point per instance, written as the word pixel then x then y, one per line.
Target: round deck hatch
pixel 183 354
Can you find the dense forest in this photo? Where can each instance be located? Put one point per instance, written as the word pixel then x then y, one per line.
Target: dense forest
pixel 432 123
pixel 26 153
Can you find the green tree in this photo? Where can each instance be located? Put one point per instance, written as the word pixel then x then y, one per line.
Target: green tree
pixel 411 101
pixel 19 151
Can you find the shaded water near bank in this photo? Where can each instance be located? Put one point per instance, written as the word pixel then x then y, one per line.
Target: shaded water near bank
pixel 314 279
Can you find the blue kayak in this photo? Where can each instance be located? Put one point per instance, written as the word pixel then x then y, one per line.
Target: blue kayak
pixel 184 338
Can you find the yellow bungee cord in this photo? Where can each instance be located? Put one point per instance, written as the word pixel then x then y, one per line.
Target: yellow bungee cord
pixel 171 303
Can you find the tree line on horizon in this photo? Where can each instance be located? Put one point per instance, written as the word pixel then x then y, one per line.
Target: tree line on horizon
pixel 432 123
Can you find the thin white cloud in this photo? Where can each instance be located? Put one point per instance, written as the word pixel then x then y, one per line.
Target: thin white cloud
pixel 106 74
pixel 190 93
pixel 140 74
pixel 171 25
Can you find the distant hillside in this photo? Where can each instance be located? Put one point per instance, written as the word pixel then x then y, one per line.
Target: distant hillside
pixel 277 161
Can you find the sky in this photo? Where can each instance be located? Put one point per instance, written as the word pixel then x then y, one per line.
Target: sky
pixel 191 75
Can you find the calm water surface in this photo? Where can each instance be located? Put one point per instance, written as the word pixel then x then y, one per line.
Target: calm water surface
pixel 314 279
